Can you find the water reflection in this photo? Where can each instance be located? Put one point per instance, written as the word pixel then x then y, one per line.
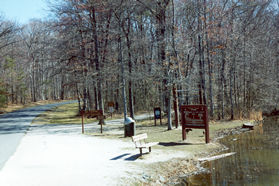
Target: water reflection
pixel 255 163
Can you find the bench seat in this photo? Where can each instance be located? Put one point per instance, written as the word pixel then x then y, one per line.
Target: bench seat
pixel 140 142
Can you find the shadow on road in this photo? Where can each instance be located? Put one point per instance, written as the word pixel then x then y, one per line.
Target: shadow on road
pixel 131 158
pixel 168 144
pixel 12 129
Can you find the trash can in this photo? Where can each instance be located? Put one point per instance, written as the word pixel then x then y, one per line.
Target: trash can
pixel 129 127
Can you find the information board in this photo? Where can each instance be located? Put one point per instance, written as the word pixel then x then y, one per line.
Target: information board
pixel 157 115
pixel 194 116
pixel 157 112
pixel 92 114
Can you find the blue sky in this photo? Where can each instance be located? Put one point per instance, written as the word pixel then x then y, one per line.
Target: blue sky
pixel 23 10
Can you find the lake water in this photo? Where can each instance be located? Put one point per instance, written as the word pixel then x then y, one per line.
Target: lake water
pixel 256 161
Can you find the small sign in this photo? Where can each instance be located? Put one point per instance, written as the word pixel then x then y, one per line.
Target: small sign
pixel 157 115
pixel 157 112
pixel 92 114
pixel 111 104
pixel 194 116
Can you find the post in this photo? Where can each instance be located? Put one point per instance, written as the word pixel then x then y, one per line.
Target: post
pixel 155 116
pixel 206 127
pixel 206 135
pixel 101 119
pixel 183 124
pixel 101 127
pixel 183 134
pixel 82 122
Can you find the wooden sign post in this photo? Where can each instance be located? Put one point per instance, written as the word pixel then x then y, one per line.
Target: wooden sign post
pixel 82 121
pixel 194 116
pixel 111 108
pixel 157 115
pixel 92 114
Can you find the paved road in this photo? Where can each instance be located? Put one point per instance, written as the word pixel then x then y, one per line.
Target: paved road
pixel 14 125
pixel 60 155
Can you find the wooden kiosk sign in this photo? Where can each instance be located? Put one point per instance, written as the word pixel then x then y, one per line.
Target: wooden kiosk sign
pixel 194 116
pixel 93 114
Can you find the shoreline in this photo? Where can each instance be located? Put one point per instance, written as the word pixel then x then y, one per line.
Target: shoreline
pixel 176 170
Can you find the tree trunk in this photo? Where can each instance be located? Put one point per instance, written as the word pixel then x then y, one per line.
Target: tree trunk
pixel 244 73
pixel 209 62
pixel 122 77
pixel 223 85
pixel 231 93
pixel 62 91
pixel 130 85
pixel 202 88
pixel 161 29
pixel 169 110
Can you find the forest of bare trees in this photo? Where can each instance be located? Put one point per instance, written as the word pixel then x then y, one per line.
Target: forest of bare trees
pixel 222 53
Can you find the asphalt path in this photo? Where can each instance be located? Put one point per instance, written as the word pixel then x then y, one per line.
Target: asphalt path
pixel 14 125
pixel 53 154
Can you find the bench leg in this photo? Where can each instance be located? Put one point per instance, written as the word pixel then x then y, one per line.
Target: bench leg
pixel 149 149
pixel 140 151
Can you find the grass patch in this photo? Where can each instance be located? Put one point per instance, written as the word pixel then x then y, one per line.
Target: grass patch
pixel 173 137
pixel 171 140
pixel 114 116
pixel 68 114
pixel 14 107
pixel 64 114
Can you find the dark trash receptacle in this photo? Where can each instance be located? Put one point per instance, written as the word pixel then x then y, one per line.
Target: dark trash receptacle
pixel 129 127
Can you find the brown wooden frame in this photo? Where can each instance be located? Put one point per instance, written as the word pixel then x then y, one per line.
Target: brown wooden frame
pixel 92 114
pixel 194 116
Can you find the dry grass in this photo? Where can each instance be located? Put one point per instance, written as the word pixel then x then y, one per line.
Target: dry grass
pixel 256 115
pixel 114 116
pixel 68 114
pixel 64 114
pixel 14 107
pixel 172 139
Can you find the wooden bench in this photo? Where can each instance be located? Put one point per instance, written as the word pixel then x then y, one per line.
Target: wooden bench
pixel 140 142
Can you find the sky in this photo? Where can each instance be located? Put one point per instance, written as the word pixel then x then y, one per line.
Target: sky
pixel 22 11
